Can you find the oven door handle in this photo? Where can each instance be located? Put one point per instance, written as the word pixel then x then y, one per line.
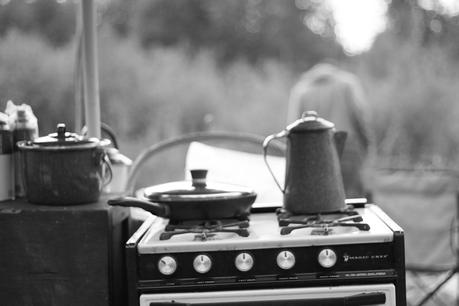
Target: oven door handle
pixel 362 299
pixel 371 298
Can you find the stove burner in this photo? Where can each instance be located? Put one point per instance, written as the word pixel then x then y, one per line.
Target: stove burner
pixel 324 231
pixel 322 223
pixel 206 229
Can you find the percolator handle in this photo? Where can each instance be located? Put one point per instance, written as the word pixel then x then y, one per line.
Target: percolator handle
pixel 266 142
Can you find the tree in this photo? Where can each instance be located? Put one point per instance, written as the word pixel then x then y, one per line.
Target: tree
pixel 424 26
pixel 50 19
pixel 253 30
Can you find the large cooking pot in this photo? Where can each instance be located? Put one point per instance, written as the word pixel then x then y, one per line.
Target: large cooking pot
pixel 65 168
pixel 195 200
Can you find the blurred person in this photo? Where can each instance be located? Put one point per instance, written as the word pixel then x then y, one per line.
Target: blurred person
pixel 337 96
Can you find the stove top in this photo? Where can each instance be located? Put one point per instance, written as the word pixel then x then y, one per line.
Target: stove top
pixel 206 229
pixel 267 230
pixel 321 223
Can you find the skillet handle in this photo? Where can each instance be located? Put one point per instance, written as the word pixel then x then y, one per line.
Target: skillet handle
pixel 155 208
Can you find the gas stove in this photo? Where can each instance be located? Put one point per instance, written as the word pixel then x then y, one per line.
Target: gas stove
pixel 359 249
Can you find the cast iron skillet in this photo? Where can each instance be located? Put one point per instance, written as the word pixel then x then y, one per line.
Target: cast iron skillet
pixel 180 201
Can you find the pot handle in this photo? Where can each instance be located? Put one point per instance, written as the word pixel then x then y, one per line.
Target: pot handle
pixel 107 172
pixel 155 208
pixel 266 142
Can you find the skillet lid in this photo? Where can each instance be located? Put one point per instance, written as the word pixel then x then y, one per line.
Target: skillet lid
pixel 198 189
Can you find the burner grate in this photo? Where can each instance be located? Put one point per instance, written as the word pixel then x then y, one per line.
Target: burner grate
pixel 206 229
pixel 321 223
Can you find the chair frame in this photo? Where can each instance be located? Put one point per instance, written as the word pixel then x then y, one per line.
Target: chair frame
pixel 145 155
pixel 452 272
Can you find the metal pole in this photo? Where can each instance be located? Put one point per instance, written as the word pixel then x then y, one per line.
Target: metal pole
pixel 78 71
pixel 90 69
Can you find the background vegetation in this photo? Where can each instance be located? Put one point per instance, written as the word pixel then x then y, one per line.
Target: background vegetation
pixel 169 66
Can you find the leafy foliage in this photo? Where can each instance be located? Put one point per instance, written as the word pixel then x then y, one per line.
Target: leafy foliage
pixel 169 67
pixel 36 74
pixel 252 29
pixel 54 22
pixel 413 92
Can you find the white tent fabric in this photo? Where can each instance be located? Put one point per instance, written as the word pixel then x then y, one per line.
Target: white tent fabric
pixel 236 167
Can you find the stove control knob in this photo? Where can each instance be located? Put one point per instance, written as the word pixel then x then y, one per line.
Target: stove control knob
pixel 167 265
pixel 285 260
pixel 244 262
pixel 202 263
pixel 327 258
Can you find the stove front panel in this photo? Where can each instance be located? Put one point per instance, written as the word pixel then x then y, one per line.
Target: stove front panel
pixel 314 265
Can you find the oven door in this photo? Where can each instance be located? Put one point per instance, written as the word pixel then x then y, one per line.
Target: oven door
pixel 358 295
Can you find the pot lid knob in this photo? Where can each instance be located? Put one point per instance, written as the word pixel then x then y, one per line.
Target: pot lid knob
pixel 198 177
pixel 310 113
pixel 61 129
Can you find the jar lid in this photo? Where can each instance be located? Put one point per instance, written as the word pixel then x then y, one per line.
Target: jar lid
pixel 62 140
pixel 310 121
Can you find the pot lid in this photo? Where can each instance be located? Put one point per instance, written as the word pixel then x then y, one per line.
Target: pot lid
pixel 62 140
pixel 198 189
pixel 310 121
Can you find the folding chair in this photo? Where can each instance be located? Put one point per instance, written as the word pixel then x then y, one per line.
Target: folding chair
pixel 425 204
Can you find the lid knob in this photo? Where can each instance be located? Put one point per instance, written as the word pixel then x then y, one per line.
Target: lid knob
pixel 61 129
pixel 310 113
pixel 310 122
pixel 198 177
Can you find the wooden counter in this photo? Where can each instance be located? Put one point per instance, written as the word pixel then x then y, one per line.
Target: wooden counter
pixel 70 255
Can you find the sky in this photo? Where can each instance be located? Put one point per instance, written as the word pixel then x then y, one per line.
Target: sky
pixel 358 22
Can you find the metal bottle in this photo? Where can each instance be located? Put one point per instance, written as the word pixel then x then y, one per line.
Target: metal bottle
pixel 6 160
pixel 313 179
pixel 25 127
pixel 120 165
